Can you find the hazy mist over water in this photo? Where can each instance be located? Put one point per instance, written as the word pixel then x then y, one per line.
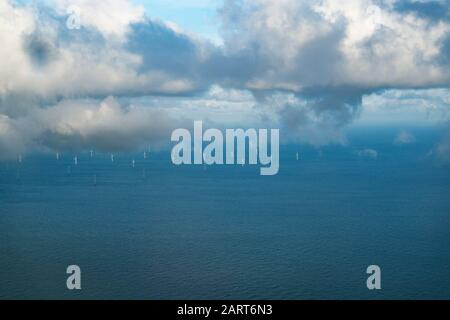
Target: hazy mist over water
pixel 157 231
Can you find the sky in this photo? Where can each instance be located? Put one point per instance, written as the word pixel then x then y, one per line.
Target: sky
pixel 194 16
pixel 117 75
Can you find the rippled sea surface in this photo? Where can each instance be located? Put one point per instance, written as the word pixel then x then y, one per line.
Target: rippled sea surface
pixel 158 231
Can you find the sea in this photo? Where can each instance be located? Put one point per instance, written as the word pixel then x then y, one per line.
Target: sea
pixel 159 231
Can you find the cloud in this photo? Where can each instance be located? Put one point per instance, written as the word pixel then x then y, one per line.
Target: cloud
pixel 307 121
pixel 406 107
pixel 331 54
pixel 308 47
pixel 304 66
pixel 368 154
pixel 404 137
pixel 326 44
pixel 104 126
pixel 46 60
pixel 79 125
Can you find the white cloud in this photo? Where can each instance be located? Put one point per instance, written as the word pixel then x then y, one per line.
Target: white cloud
pixel 304 66
pixel 42 58
pixel 368 154
pixel 330 43
pixel 405 107
pixel 83 124
pixel 404 137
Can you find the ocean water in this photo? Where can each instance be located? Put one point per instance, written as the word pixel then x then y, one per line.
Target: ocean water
pixel 158 231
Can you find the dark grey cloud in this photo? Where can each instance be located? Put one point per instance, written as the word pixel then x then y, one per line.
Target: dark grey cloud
pixel 163 49
pixel 40 49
